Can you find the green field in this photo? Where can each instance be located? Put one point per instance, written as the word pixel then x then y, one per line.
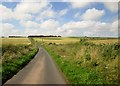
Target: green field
pixel 16 53
pixel 85 60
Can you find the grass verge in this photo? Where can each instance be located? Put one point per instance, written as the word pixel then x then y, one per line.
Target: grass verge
pixel 75 74
pixel 86 63
pixel 11 67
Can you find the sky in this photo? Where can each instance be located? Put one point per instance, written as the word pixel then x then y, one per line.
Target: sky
pixel 59 18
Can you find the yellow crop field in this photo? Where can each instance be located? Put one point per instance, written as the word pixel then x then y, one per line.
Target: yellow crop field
pixel 66 40
pixel 62 40
pixel 105 41
pixel 14 41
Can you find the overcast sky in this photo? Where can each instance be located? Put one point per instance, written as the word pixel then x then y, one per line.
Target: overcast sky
pixel 59 18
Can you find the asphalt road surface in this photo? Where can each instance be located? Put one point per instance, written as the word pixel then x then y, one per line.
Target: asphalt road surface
pixel 40 70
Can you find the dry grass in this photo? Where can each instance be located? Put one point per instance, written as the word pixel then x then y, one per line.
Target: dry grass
pixel 14 41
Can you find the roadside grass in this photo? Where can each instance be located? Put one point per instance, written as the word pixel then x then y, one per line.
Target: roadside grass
pixel 14 51
pixel 84 62
pixel 76 74
pixel 11 67
pixel 15 55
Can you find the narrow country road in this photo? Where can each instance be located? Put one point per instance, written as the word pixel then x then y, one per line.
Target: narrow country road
pixel 40 70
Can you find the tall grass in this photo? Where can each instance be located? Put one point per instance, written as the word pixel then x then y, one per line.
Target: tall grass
pixel 11 67
pixel 15 57
pixel 14 51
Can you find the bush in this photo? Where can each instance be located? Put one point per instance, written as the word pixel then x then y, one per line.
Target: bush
pixel 109 52
pixel 50 43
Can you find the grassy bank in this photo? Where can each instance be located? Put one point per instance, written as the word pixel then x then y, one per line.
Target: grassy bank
pixel 15 56
pixel 85 62
pixel 11 66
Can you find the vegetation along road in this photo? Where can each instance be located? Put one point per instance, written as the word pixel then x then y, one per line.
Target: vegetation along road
pixel 82 60
pixel 40 70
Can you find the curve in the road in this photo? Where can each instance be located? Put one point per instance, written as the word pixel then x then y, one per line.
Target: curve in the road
pixel 40 70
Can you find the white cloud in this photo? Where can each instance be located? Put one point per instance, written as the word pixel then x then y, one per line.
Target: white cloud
pixel 46 27
pixel 92 14
pixel 88 33
pixel 79 24
pixel 77 15
pixel 10 0
pixel 26 7
pixel 63 12
pixel 49 27
pixel 31 31
pixel 79 4
pixel 9 29
pixel 33 1
pixel 20 16
pixel 89 28
pixel 26 10
pixel 114 26
pixel 53 27
pixel 48 13
pixel 50 24
pixel 30 24
pixel 31 27
pixel 112 6
pixel 5 13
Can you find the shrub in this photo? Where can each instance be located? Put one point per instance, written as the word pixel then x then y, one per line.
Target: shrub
pixel 109 52
pixel 50 43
